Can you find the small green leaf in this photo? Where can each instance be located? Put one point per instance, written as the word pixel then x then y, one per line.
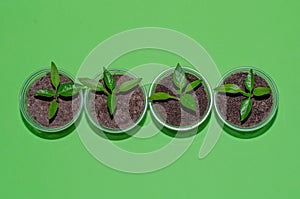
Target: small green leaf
pixel 192 85
pixel 249 82
pixel 259 91
pixel 245 108
pixel 92 84
pixel 126 86
pixel 45 93
pixel 229 88
pixel 188 101
pixel 111 103
pixel 55 79
pixel 247 94
pixel 179 77
pixel 52 109
pixel 161 96
pixel 68 89
pixel 177 92
pixel 108 79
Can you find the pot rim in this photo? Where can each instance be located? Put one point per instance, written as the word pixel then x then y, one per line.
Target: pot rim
pixel 272 86
pixel 208 91
pixel 22 101
pixel 91 118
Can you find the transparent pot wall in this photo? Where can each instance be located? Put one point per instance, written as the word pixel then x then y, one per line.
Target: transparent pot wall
pixel 274 91
pixel 23 102
pixel 157 116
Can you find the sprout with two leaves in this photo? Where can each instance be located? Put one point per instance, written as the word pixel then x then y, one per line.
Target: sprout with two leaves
pixel 112 90
pixel 246 105
pixel 183 95
pixel 65 90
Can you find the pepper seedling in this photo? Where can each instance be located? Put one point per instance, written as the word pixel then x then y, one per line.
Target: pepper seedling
pixel 111 90
pixel 180 81
pixel 246 105
pixel 65 90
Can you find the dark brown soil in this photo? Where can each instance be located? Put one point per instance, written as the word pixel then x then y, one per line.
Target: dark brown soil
pixel 130 106
pixel 38 106
pixel 172 111
pixel 229 104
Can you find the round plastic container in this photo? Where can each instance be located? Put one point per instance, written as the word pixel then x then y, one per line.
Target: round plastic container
pixel 23 102
pixel 274 91
pixel 181 128
pixel 91 117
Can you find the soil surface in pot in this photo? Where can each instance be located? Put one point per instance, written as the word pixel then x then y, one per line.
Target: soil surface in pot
pixel 229 104
pixel 172 111
pixel 38 106
pixel 130 106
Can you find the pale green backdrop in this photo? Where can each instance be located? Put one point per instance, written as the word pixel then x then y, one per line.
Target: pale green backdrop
pixel 264 34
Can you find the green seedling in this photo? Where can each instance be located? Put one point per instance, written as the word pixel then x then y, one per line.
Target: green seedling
pixel 111 90
pixel 65 90
pixel 250 92
pixel 183 96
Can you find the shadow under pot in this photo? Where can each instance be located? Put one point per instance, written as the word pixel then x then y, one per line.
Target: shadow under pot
pixel 130 106
pixel 178 113
pixel 45 111
pixel 246 99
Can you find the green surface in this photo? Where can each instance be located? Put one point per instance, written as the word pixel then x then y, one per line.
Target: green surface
pixel 264 34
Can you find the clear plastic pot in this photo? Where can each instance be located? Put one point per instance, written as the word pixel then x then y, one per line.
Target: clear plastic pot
pixel 200 120
pixel 274 91
pixel 92 118
pixel 23 102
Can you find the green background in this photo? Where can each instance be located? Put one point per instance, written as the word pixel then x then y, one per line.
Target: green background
pixel 264 34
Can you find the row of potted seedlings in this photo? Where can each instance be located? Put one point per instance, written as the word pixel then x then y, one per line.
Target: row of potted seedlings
pixel 180 99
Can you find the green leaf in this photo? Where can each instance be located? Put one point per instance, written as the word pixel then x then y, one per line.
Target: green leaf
pixel 52 109
pixel 177 92
pixel 247 94
pixel 161 96
pixel 55 79
pixel 249 82
pixel 179 77
pixel 245 108
pixel 229 88
pixel 45 93
pixel 192 85
pixel 111 103
pixel 259 91
pixel 92 84
pixel 68 89
pixel 126 86
pixel 108 79
pixel 188 101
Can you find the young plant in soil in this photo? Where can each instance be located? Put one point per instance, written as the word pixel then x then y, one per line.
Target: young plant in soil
pixel 183 89
pixel 246 104
pixel 65 90
pixel 110 88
